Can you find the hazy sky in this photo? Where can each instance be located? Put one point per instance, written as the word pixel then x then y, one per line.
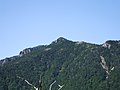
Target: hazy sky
pixel 27 23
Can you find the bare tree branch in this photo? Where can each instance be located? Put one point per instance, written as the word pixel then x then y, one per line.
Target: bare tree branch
pixel 28 82
pixel 31 85
pixel 40 84
pixel 52 85
pixel 60 87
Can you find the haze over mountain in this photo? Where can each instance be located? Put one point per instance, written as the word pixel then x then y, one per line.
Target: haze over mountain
pixel 64 65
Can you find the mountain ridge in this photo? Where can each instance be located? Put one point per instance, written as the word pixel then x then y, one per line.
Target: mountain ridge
pixel 28 50
pixel 76 65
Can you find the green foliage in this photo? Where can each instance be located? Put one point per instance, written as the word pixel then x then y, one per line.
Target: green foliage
pixel 76 66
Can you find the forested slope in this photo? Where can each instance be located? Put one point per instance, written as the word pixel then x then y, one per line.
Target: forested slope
pixel 76 65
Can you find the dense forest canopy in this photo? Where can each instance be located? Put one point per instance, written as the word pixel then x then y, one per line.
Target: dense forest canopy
pixel 75 65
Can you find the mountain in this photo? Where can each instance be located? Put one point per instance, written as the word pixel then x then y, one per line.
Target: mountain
pixel 63 65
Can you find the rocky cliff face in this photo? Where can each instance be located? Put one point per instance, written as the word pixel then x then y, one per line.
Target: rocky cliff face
pixel 25 51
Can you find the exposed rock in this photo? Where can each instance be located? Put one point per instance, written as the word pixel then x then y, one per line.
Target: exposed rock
pixel 47 49
pixel 59 40
pixel 25 51
pixel 118 41
pixel 106 45
pixel 2 62
pixel 79 42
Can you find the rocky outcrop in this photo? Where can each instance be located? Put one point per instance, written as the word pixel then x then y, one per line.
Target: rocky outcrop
pixel 3 61
pixel 25 51
pixel 79 42
pixel 106 45
pixel 60 40
pixel 47 49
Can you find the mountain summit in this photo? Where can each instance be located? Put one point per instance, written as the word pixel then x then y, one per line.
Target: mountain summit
pixel 63 65
pixel 61 39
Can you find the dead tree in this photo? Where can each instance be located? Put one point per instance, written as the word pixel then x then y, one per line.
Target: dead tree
pixel 40 84
pixel 60 86
pixel 51 85
pixel 33 86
